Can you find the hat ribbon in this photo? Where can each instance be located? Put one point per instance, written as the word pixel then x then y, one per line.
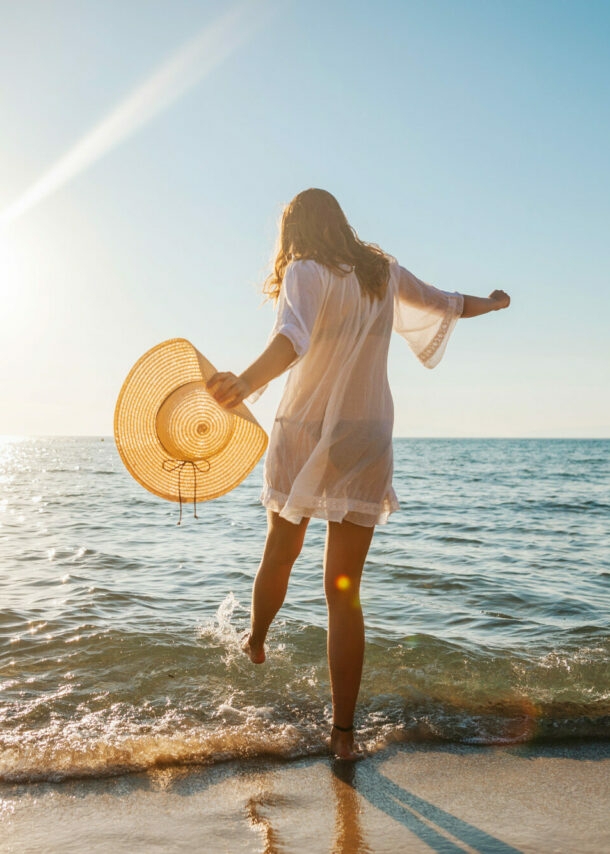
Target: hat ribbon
pixel 173 465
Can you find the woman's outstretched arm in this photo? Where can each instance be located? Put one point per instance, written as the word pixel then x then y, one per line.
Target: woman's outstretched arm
pixel 474 306
pixel 229 390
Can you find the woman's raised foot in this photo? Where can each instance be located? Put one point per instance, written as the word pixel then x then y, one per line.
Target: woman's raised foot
pixel 256 654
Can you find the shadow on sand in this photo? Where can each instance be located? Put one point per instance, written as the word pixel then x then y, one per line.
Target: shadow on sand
pixel 440 830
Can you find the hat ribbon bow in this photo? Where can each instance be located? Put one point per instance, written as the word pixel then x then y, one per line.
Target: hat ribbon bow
pixel 171 465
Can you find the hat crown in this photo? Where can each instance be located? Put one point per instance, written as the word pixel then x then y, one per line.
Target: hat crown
pixel 191 425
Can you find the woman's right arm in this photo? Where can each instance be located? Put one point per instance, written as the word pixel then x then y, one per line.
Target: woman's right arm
pixel 475 306
pixel 426 316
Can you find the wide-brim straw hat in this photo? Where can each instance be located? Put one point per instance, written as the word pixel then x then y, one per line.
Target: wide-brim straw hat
pixel 172 435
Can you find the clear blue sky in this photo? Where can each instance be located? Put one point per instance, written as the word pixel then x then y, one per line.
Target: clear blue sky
pixel 469 138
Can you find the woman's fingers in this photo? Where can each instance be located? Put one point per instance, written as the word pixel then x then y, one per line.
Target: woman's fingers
pixel 217 380
pixel 500 297
pixel 221 386
pixel 227 389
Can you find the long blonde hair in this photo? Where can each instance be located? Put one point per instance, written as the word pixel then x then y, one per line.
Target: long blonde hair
pixel 314 226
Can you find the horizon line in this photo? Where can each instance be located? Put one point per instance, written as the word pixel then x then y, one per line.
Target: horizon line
pixel 110 436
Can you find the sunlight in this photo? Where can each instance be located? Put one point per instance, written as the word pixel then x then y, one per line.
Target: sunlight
pixel 192 62
pixel 12 297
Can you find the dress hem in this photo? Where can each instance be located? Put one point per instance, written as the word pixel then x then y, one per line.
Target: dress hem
pixel 330 509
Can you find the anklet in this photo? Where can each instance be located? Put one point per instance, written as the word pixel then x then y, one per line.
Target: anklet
pixel 343 728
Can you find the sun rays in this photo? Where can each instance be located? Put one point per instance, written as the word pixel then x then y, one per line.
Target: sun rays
pixel 194 61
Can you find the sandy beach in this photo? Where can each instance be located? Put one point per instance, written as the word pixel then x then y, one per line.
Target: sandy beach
pixel 527 798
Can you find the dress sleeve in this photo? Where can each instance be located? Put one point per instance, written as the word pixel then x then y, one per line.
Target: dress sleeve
pixel 424 315
pixel 299 303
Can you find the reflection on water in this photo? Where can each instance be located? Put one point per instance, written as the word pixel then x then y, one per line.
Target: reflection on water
pixel 349 836
pixel 262 824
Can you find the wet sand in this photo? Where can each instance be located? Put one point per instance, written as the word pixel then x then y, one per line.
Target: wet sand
pixel 409 798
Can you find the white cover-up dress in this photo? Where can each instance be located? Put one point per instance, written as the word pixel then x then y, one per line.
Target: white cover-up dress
pixel 330 450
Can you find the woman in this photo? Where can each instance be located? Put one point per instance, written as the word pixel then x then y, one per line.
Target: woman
pixel 330 452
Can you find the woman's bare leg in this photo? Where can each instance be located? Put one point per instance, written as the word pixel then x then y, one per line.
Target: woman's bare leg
pixel 282 548
pixel 347 546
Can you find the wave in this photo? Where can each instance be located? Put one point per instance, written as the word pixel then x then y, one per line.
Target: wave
pixel 122 702
pixel 70 751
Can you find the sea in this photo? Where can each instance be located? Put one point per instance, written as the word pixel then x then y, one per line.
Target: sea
pixel 486 602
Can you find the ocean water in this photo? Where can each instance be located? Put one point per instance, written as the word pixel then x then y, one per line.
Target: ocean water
pixel 486 600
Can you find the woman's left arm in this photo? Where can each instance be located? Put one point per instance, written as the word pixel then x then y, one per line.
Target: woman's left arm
pixel 230 390
pixel 474 306
pixel 300 299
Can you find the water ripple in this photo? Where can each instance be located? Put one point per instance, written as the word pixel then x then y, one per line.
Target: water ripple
pixel 486 603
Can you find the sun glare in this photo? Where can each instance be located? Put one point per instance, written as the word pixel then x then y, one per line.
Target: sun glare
pixel 188 66
pixel 11 295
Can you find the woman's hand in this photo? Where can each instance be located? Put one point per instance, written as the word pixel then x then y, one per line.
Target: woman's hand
pixel 227 389
pixel 230 390
pixel 501 298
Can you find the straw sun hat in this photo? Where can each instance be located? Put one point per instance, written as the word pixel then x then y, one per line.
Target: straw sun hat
pixel 173 437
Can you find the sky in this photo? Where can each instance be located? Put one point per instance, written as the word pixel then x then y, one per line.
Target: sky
pixel 147 148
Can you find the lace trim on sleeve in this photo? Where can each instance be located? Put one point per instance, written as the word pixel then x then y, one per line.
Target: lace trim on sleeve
pixel 454 309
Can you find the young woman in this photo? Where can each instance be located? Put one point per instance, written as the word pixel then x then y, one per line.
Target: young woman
pixel 330 451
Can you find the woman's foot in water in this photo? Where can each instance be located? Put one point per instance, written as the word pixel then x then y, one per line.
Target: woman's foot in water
pixel 342 744
pixel 255 653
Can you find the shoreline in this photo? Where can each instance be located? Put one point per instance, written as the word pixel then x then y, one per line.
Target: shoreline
pixel 409 797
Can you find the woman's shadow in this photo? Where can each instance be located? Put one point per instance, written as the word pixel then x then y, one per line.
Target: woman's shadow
pixel 422 818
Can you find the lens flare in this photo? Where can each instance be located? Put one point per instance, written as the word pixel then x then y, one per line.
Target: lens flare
pixel 343 583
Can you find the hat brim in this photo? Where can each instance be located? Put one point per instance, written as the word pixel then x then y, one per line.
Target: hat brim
pixel 159 372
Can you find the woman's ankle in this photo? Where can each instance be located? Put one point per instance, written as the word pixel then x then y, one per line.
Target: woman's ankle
pixel 255 652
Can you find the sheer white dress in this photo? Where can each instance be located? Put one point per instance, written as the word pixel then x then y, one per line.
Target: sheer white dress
pixel 330 450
